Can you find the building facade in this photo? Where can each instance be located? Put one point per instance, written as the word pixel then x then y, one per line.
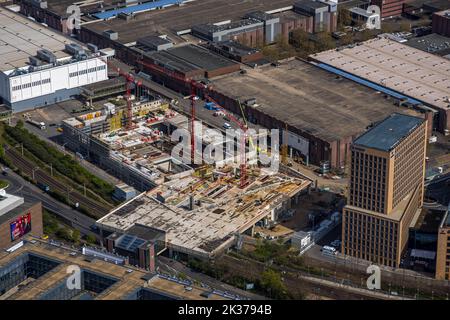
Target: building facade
pixel 18 217
pixel 385 189
pixel 441 23
pixel 39 67
pixel 389 8
pixel 443 249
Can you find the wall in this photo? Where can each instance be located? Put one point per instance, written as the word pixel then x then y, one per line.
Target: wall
pixel 48 81
pixel 37 228
pixel 442 253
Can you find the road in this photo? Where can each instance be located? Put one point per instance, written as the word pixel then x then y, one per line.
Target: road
pixel 174 266
pixel 20 187
pixel 30 169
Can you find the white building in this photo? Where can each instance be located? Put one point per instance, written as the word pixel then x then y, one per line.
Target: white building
pixel 39 67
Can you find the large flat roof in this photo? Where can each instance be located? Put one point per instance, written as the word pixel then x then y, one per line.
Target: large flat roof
pixel 221 209
pixel 432 43
pixel 21 38
pixel 389 132
pixel 173 19
pixel 128 277
pixel 412 72
pixel 309 99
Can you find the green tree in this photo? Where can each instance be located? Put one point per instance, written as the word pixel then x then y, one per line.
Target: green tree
pixel 76 236
pixel 299 38
pixel 19 124
pixel 272 284
pixel 325 41
pixel 91 239
pixel 64 234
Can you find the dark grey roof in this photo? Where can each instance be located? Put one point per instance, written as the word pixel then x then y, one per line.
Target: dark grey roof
pixel 259 15
pixel 310 4
pixel 200 57
pixel 432 43
pixel 389 132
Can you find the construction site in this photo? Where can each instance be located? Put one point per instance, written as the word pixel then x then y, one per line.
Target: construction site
pixel 205 213
pixel 39 270
pixel 134 154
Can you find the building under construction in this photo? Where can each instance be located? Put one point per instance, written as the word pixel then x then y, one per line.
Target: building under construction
pixel 205 213
pixel 135 156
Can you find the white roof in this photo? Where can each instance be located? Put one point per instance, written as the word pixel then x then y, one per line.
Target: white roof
pixel 415 73
pixel 20 38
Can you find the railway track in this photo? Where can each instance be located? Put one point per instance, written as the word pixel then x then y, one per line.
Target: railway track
pixel 41 176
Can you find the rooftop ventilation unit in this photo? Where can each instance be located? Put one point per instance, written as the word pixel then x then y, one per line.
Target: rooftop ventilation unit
pixel 46 55
pixel 35 62
pixel 75 50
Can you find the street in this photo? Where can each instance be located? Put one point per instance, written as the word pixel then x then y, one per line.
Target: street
pixel 20 187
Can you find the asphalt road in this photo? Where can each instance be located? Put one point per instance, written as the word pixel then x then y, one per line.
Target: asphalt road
pixel 170 265
pixel 20 187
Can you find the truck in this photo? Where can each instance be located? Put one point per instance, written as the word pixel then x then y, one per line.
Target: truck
pixel 40 125
pixel 43 187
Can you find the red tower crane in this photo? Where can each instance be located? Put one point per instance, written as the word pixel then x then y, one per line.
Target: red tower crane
pixel 194 86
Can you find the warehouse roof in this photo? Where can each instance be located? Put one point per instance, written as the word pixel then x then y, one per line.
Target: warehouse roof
pixel 201 57
pixel 312 100
pixel 180 18
pixel 417 74
pixel 21 38
pixel 389 132
pixel 137 8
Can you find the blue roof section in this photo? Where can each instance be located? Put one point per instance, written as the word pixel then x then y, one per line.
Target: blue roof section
pixel 369 84
pixel 386 134
pixel 137 8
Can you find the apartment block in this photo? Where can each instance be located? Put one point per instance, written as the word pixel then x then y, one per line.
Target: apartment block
pixel 385 190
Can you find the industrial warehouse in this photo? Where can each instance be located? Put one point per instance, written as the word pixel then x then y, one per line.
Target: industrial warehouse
pixel 39 67
pixel 203 214
pixel 38 270
pixel 253 23
pixel 293 94
pixel 421 77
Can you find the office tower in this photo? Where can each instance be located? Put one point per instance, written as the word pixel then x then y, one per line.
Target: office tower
pixel 385 189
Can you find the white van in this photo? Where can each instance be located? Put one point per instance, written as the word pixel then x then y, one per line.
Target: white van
pixel 226 125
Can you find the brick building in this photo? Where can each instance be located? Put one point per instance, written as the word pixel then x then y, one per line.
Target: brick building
pixel 389 8
pixel 441 23
pixel 18 217
pixel 385 190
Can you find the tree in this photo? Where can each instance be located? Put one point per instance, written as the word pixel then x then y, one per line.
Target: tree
pixel 299 38
pixel 91 239
pixel 64 234
pixel 344 17
pixel 345 40
pixel 271 283
pixel 325 41
pixel 19 124
pixel 76 236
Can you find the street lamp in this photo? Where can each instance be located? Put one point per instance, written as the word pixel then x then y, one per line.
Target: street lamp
pixel 32 171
